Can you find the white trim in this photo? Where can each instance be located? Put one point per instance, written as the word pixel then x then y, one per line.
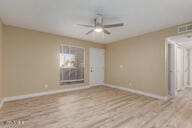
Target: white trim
pixel 188 86
pixel 97 84
pixel 137 92
pixel 71 80
pixel 13 98
pixel 68 45
pixel 1 103
pixel 172 70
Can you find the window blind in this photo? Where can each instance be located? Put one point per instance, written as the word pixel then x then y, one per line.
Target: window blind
pixel 71 64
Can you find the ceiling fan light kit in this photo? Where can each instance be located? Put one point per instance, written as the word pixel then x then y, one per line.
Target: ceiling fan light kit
pixel 99 26
pixel 98 29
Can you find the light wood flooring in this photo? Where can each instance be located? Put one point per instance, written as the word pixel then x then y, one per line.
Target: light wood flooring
pixel 99 107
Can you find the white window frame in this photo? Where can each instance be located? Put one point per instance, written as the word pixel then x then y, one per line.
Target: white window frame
pixel 63 45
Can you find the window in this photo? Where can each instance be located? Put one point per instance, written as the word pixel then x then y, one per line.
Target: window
pixel 71 65
pixel 67 60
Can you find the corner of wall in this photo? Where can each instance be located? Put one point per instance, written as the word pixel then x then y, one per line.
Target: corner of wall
pixel 1 68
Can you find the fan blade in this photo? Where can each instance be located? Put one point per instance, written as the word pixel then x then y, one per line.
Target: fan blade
pixel 113 25
pixel 106 32
pixel 89 26
pixel 90 32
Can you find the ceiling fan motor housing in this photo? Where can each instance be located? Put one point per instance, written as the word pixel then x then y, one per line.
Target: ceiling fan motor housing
pixel 99 20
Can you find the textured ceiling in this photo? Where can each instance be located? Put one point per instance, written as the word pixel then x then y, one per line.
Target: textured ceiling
pixel 61 16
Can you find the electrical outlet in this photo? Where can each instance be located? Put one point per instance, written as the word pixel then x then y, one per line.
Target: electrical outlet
pixel 130 84
pixel 46 85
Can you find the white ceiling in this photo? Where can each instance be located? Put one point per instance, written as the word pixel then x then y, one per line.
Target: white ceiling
pixel 61 16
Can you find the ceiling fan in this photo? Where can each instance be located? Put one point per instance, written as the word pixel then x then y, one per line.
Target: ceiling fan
pixel 99 26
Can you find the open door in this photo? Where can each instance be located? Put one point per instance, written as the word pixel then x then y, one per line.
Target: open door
pixel 171 68
pixel 186 67
pixel 179 68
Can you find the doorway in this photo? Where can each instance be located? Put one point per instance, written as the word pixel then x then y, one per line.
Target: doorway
pixel 97 66
pixel 179 63
pixel 179 68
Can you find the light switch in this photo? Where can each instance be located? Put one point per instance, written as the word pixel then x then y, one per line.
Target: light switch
pixel 121 66
pixel 46 85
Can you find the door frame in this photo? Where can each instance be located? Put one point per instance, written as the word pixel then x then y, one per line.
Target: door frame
pixel 172 67
pixel 180 87
pixel 187 62
pixel 171 70
pixel 172 84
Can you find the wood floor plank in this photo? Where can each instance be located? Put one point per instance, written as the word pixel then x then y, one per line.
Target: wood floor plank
pixel 99 107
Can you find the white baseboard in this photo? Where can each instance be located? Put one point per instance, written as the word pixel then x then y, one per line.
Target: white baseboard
pixel 137 92
pixel 13 98
pixel 97 84
pixel 1 103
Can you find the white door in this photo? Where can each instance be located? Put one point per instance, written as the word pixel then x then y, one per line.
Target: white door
pixel 97 64
pixel 186 67
pixel 172 69
pixel 179 68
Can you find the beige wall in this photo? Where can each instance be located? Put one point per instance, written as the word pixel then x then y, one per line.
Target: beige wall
pixel 31 60
pixel 145 62
pixel 1 44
